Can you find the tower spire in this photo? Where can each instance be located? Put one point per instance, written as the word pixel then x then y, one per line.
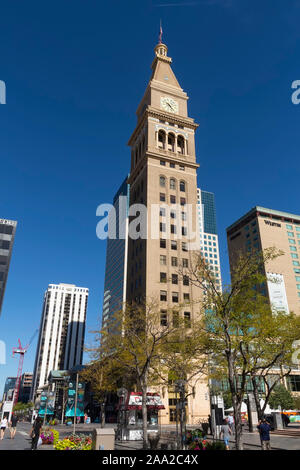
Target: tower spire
pixel 160 34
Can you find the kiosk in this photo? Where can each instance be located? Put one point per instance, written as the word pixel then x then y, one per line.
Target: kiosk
pixel 130 419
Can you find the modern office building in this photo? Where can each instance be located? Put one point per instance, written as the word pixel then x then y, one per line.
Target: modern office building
pixel 163 177
pixel 7 236
pixel 209 242
pixel 262 228
pixel 25 387
pixel 62 329
pixel 9 387
pixel 116 256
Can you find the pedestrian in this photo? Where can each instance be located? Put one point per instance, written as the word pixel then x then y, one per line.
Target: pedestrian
pixel 13 425
pixel 226 431
pixel 35 432
pixel 231 422
pixel 4 423
pixel 264 431
pixel 285 420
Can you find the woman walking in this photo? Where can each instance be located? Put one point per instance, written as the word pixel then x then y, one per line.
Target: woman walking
pixel 4 423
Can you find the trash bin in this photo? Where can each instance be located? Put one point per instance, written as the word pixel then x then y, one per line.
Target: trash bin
pixel 103 439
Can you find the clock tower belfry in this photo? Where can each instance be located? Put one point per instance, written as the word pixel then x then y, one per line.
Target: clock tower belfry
pixel 164 174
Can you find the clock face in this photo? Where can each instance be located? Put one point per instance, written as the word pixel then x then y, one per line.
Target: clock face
pixel 168 104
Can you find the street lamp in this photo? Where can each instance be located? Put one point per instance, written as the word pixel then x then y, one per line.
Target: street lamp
pixel 122 393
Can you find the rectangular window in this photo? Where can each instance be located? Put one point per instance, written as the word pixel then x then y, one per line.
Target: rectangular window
pixel 163 243
pixel 296 263
pixel 183 215
pixel 293 248
pixel 162 197
pixel 298 229
pixel 163 163
pixel 289 227
pixel 186 297
pixel 163 295
pixel 163 260
pixel 184 246
pixel 293 255
pixel 297 278
pixel 298 286
pixel 184 231
pixel 290 234
pixel 181 167
pixel 172 165
pixel 162 212
pixel 187 319
pixel 292 241
pixel 186 281
pixel 174 279
pixel 185 263
pixel 175 297
pixel 162 227
pixel 173 214
pixel 174 261
pixel 173 199
pixel 173 245
pixel 296 271
pixel 173 229
pixel 163 318
pixel 163 277
pixel 182 201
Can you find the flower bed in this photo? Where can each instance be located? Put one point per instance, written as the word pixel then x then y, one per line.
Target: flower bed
pixel 196 440
pixel 74 442
pixel 49 436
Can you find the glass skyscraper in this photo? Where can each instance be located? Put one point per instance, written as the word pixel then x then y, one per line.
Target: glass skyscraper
pixel 209 243
pixel 116 256
pixel 7 236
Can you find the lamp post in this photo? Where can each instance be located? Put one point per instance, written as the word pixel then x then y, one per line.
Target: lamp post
pixel 122 394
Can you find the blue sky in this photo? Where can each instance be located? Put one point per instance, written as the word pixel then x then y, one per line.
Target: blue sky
pixel 75 72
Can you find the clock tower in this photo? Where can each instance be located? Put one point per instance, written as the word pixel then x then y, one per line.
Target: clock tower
pixel 164 175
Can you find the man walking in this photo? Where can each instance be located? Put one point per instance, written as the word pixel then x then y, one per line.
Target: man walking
pixel 264 431
pixel 13 425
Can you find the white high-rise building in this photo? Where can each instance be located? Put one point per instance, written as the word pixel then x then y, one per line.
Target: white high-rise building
pixel 209 242
pixel 62 328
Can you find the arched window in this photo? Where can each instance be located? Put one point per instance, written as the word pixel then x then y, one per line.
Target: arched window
pixel 182 186
pixel 180 144
pixel 161 139
pixel 171 142
pixel 162 181
pixel 172 183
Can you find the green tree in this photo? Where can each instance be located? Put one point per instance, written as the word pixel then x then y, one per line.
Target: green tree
pixel 281 398
pixel 129 349
pixel 234 319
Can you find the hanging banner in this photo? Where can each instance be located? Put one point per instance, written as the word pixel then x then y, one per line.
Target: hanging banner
pixel 47 403
pixel 71 399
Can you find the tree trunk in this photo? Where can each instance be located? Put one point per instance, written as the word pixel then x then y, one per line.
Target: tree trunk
pixel 102 415
pixel 237 404
pixel 144 413
pixel 256 398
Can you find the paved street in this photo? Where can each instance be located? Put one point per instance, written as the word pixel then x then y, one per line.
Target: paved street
pixel 251 440
pixel 21 441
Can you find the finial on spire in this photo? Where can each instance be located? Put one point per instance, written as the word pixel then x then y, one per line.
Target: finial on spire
pixel 160 34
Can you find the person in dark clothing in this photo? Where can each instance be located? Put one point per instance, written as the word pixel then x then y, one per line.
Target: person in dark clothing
pixel 264 431
pixel 13 425
pixel 285 420
pixel 35 432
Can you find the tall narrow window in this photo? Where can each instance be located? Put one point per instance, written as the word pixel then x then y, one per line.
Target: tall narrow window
pixel 172 183
pixel 180 144
pixel 162 139
pixel 182 186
